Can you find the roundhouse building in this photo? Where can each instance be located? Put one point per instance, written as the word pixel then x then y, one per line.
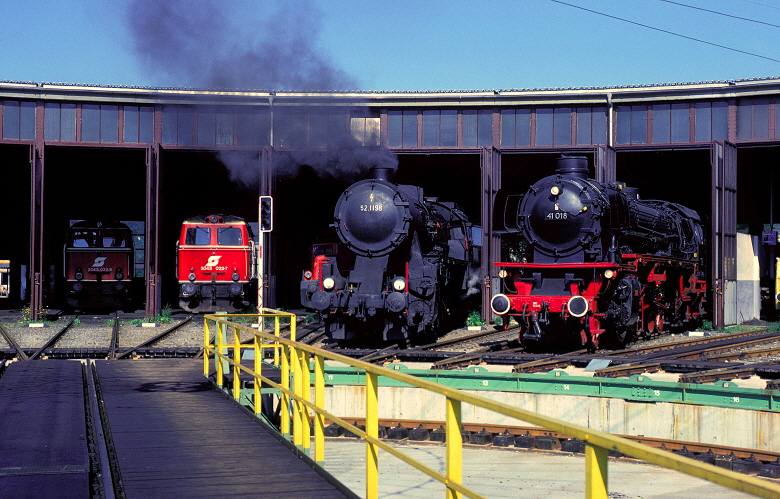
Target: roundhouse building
pixel 156 156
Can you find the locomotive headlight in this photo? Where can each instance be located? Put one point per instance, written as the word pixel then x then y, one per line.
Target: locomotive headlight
pixel 500 304
pixel 79 274
pixel 119 274
pixel 328 283
pixel 399 284
pixel 577 305
pixel 191 277
pixel 307 274
pixel 502 273
pixel 609 273
pixel 235 276
pixel 555 190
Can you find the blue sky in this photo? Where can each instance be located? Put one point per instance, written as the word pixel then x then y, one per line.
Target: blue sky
pixel 399 45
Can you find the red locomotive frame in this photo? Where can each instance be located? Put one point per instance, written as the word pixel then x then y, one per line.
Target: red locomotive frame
pixel 669 293
pixel 216 264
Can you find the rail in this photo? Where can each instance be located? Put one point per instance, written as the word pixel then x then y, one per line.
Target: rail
pixel 295 360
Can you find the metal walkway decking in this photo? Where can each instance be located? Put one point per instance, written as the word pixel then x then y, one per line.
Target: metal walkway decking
pixel 171 434
pixel 43 434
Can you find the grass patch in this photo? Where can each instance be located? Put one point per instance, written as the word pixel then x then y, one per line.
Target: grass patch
pixel 164 317
pixel 474 319
pixel 26 318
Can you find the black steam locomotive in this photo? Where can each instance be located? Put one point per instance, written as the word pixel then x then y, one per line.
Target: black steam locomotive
pixel 598 263
pixel 402 269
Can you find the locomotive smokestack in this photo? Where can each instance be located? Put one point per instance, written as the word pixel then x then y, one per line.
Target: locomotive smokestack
pixel 573 165
pixel 383 173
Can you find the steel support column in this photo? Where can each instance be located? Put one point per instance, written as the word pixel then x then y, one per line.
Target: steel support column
pixel 490 163
pixel 36 229
pixel 604 164
pixel 266 282
pixel 151 231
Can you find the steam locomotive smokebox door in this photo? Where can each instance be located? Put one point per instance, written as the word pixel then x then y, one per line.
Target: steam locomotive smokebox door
pixel 372 218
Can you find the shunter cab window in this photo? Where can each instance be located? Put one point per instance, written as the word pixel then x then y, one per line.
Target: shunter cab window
pixel 113 239
pixel 84 239
pixel 229 236
pixel 200 236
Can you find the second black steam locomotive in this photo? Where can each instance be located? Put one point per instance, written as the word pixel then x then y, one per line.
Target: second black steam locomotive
pixel 598 263
pixel 404 265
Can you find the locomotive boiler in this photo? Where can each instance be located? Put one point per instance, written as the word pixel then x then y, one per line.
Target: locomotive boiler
pixel 402 268
pixel 98 265
pixel 216 264
pixel 599 263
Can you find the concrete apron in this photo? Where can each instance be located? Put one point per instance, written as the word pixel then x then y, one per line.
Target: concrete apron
pixel 511 473
pixel 677 421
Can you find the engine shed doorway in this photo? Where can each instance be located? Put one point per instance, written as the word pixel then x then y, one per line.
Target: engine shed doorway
pixel 15 245
pixel 694 177
pixel 88 184
pixel 758 214
pixel 194 183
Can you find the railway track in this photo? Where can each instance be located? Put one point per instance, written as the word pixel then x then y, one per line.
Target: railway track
pixel 749 461
pixel 27 343
pixel 697 360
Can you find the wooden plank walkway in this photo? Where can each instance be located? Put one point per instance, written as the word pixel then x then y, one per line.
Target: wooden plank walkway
pixel 175 436
pixel 43 435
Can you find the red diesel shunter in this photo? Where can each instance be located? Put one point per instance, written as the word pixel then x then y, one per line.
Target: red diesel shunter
pixel 98 265
pixel 216 264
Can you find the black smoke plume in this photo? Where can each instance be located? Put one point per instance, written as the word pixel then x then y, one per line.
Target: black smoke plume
pixel 343 159
pixel 196 43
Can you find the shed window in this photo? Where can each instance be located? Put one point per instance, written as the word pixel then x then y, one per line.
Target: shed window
pixel 591 125
pixel 139 124
pixel 711 121
pixel 477 127
pixel 60 122
pixel 402 128
pixel 631 124
pixel 753 119
pixel 19 120
pixel 99 123
pixel 516 127
pixel 440 128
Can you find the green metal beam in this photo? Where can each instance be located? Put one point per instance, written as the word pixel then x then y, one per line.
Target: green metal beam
pixel 639 388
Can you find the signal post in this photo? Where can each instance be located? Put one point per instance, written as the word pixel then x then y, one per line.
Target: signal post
pixel 266 224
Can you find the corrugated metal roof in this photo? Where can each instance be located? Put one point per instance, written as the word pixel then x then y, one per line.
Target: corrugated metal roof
pixel 409 92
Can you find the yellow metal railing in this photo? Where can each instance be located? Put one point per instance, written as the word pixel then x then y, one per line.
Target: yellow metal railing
pixel 295 361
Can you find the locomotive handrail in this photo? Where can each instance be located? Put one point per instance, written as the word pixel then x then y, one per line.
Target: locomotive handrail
pixel 297 359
